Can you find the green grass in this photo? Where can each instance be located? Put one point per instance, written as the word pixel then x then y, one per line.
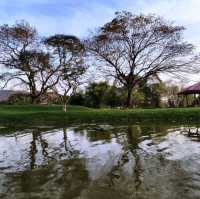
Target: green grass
pixel 53 115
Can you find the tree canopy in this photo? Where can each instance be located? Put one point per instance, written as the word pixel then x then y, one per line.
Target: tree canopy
pixel 132 48
pixel 39 64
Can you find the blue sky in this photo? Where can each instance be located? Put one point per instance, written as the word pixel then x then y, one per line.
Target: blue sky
pixel 78 16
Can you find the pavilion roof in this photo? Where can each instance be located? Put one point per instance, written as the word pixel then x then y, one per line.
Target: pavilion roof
pixel 194 89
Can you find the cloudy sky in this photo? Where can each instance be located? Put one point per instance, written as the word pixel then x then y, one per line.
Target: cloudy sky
pixel 78 16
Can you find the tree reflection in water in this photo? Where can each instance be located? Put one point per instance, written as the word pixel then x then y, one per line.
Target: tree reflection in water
pixel 38 141
pixel 101 162
pixel 65 178
pixel 37 137
pixel 192 132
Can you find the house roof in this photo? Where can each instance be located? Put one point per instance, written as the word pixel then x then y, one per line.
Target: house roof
pixel 194 89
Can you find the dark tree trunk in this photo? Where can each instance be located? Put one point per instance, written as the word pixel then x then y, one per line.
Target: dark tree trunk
pixel 33 99
pixel 129 103
pixel 33 94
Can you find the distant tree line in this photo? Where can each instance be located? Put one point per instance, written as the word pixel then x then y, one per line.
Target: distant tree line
pixel 130 50
pixel 148 95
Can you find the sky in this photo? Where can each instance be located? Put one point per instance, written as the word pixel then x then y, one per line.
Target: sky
pixel 77 17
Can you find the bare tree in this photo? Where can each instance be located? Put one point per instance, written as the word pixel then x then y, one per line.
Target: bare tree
pixel 23 56
pixel 38 64
pixel 68 53
pixel 132 48
pixel 68 86
pixel 16 43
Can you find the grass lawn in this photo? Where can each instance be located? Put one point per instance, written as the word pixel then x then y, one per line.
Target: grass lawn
pixel 53 115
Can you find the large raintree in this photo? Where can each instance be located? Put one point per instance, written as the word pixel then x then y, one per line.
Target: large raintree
pixel 133 48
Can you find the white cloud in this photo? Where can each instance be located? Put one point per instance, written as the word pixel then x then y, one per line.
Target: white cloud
pixel 182 11
pixel 80 16
pixel 89 15
pixel 24 2
pixel 78 22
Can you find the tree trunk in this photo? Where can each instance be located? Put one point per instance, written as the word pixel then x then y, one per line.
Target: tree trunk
pixel 65 102
pixel 66 99
pixel 65 107
pixel 33 100
pixel 33 95
pixel 129 98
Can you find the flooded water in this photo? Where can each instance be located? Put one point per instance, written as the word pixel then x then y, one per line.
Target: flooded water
pixel 100 162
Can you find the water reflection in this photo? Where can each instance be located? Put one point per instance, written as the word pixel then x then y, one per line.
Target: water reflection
pixel 100 161
pixel 192 132
pixel 36 139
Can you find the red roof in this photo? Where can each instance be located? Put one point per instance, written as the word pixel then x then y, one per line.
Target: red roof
pixel 194 89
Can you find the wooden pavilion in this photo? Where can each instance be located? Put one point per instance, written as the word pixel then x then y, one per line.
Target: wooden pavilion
pixel 192 90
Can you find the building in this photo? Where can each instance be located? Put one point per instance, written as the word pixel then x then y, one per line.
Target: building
pixel 6 94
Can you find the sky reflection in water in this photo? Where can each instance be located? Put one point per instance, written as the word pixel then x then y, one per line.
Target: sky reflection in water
pixel 100 161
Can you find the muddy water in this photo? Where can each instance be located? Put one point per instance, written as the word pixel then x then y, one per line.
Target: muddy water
pixel 100 162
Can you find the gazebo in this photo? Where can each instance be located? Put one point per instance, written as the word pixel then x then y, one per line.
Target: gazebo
pixel 194 89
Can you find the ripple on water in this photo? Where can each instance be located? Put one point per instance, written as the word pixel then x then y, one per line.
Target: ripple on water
pixel 100 161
